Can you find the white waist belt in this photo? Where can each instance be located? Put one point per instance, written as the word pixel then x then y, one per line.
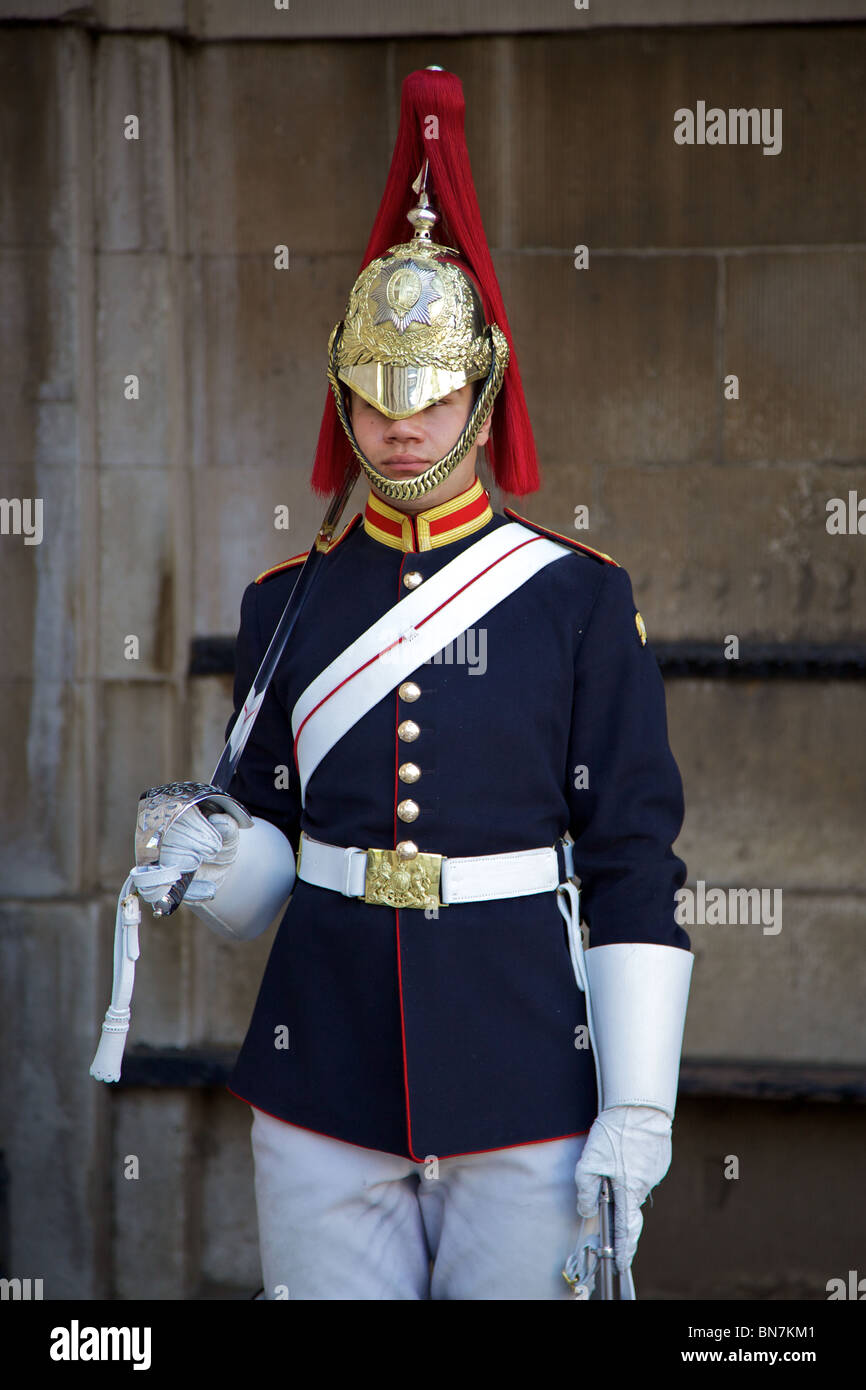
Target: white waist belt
pixel 380 876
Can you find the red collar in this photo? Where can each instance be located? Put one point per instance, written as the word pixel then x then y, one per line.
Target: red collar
pixel 450 521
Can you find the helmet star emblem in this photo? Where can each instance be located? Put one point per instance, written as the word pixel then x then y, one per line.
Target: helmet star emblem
pixel 403 295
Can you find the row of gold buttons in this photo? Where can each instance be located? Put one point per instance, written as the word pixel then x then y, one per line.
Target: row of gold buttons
pixel 407 731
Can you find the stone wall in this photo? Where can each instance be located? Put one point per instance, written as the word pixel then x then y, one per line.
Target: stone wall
pixel 154 257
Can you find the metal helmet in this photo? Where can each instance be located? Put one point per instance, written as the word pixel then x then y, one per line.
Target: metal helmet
pixel 414 330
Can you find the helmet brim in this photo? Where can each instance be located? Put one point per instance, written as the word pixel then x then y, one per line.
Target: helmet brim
pixel 401 391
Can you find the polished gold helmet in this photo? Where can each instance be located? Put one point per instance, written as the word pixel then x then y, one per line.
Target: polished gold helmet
pixel 414 331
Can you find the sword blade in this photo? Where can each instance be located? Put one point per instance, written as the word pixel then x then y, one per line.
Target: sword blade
pixel 243 725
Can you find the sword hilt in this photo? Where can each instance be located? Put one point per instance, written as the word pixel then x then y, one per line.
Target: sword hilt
pixel 158 809
pixel 164 907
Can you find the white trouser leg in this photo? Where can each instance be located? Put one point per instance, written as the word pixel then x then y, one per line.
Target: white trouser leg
pixel 336 1221
pixel 500 1225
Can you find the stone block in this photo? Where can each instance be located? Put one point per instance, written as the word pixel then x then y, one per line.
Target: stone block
pixel 39 546
pixel 290 144
pixel 594 155
pixel 41 788
pixel 342 19
pixel 239 516
pixel 209 701
pixel 138 520
pixel 790 997
pixel 789 1221
pixel 138 307
pixel 156 1214
pixel 53 996
pixel 261 379
pixel 108 14
pixel 230 1245
pixel 38 384
pixel 795 336
pixel 728 550
pixel 39 135
pixel 144 14
pixel 136 178
pixel 773 775
pixel 617 361
pixel 138 748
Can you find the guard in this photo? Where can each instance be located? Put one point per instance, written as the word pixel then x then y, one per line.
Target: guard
pixel 461 754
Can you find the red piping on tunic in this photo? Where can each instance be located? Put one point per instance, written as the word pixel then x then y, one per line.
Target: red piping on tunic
pixel 468 1154
pixel 409 1143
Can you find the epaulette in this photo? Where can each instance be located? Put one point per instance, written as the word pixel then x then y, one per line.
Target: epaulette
pixel 283 565
pixel 299 559
pixel 557 535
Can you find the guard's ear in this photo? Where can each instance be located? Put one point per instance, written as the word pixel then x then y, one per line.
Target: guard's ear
pixel 484 432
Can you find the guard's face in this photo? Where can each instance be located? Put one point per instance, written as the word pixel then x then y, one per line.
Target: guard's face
pixel 404 448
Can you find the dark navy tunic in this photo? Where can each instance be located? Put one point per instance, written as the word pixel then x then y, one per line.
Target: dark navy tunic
pixel 439 1035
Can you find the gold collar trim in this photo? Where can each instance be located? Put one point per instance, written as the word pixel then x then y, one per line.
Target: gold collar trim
pixel 441 525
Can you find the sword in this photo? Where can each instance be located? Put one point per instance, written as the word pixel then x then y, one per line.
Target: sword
pixel 160 807
pixel 606 1257
pixel 593 1260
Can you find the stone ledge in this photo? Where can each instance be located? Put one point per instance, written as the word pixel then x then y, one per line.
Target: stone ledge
pixel 187 1068
pixel 214 656
pixel 222 19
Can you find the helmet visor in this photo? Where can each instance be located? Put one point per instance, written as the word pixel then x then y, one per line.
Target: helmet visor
pixel 401 391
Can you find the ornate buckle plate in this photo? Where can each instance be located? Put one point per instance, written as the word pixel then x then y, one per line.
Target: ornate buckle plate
pixel 394 882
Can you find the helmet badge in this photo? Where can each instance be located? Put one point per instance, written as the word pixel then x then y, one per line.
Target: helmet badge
pixel 404 293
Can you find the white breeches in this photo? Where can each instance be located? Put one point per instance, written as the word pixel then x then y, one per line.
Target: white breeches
pixel 340 1222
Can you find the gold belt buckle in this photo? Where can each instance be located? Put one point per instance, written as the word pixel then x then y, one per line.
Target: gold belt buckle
pixel 394 882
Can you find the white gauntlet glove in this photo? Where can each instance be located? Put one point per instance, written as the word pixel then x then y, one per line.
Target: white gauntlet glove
pixel 208 846
pixel 636 995
pixel 631 1145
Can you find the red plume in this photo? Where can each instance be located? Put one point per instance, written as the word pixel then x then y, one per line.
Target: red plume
pixel 426 95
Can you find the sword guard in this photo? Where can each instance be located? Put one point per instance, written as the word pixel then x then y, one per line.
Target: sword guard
pixel 158 809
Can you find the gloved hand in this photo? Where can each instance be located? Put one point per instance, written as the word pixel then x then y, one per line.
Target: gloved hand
pixel 208 846
pixel 631 1145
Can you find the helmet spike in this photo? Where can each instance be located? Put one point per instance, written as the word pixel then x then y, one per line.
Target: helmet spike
pixel 423 217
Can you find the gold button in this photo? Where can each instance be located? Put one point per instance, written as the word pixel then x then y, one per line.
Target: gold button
pixel 408 810
pixel 408 772
pixel 408 731
pixel 406 849
pixel 412 579
pixel 409 691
